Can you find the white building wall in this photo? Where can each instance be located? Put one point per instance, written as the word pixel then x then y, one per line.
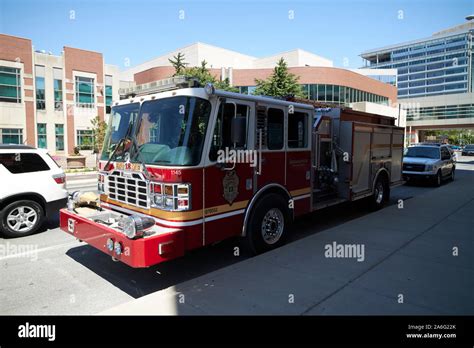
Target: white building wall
pixel 194 54
pixel 293 58
pixel 399 114
pixel 218 57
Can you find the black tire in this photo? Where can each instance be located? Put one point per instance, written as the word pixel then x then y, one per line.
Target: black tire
pixel 32 212
pixel 438 179
pixel 381 194
pixel 268 208
pixel 452 175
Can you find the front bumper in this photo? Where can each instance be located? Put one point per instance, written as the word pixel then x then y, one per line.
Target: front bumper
pixel 411 176
pixel 163 245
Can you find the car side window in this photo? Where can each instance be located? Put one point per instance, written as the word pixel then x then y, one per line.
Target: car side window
pixel 18 163
pixel 445 155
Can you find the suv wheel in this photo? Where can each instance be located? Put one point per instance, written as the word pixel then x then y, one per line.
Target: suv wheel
pixel 438 179
pixel 21 218
pixel 451 177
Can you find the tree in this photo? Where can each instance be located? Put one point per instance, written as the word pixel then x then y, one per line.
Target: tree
pixel 99 128
pixel 203 75
pixel 225 85
pixel 280 84
pixel 178 64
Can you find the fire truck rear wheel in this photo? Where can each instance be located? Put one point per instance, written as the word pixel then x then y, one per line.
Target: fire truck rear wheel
pixel 268 224
pixel 381 193
pixel 21 218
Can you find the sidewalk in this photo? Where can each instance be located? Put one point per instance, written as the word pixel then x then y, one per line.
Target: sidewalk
pixel 408 253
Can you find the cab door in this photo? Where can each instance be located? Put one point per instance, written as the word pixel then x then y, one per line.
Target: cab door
pixel 270 144
pixel 228 175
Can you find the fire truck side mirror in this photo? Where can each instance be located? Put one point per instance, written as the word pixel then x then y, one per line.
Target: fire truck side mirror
pixel 238 130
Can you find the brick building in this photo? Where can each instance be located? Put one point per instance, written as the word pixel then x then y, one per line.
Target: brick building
pixel 48 101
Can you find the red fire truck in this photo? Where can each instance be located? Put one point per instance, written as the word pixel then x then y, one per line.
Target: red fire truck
pixel 185 166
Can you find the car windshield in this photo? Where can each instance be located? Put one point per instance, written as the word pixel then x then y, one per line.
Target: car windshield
pixel 121 120
pixel 469 147
pixel 172 130
pixel 422 152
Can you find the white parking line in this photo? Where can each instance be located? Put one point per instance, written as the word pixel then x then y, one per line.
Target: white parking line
pixel 32 252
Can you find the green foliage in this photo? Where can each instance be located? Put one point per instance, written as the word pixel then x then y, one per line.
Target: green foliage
pixel 203 75
pixel 280 84
pixel 178 64
pixel 99 129
pixel 225 85
pixel 454 136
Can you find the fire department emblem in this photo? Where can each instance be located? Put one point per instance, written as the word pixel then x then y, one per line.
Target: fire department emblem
pixel 230 185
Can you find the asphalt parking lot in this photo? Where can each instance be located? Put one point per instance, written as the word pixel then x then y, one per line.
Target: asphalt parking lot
pixel 52 273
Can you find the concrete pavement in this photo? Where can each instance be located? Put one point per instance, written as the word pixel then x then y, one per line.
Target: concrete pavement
pixel 86 181
pixel 418 259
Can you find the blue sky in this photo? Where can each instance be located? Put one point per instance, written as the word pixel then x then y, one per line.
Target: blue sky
pixel 143 29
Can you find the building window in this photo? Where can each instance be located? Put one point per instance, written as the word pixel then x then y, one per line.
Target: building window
pixel 59 131
pixel 40 102
pixel 85 96
pixel 10 85
pixel 11 135
pixel 108 99
pixel 42 142
pixel 58 95
pixel 85 139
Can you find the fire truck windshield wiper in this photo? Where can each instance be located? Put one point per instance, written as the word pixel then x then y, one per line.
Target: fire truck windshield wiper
pixel 135 156
pixel 119 143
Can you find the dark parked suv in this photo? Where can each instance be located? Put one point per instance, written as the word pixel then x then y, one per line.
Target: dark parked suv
pixel 468 150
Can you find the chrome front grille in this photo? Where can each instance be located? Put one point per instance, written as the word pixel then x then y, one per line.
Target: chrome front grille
pixel 129 188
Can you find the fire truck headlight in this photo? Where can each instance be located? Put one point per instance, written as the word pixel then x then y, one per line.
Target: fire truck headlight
pixel 118 248
pixel 134 225
pixel 158 200
pixel 169 202
pixel 110 244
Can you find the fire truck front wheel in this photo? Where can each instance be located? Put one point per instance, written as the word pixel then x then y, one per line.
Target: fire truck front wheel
pixel 268 224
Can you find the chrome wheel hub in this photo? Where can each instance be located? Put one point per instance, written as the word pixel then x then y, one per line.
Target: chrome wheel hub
pixel 273 224
pixel 22 219
pixel 379 193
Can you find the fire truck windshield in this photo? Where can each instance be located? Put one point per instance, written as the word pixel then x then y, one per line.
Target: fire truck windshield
pixel 121 121
pixel 171 131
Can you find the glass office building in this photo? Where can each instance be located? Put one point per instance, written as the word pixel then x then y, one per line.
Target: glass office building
pixel 441 65
pixel 429 67
pixel 332 94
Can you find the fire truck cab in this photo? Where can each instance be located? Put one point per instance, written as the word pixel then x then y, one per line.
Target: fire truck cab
pixel 185 166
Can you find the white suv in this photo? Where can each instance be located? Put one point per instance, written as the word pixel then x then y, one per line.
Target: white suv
pixel 32 188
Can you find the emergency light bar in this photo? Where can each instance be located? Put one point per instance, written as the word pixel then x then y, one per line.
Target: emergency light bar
pixel 163 85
